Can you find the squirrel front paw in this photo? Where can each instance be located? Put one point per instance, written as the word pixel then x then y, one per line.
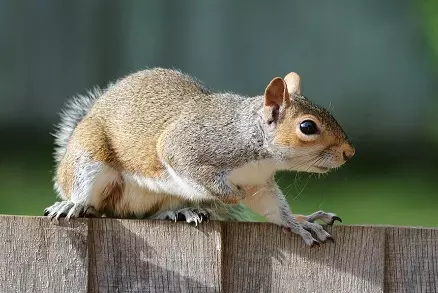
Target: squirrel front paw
pixel 327 218
pixel 307 227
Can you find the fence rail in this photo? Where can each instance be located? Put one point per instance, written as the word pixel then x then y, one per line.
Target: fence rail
pixel 113 255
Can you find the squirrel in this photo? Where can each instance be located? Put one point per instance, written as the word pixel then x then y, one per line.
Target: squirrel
pixel 158 144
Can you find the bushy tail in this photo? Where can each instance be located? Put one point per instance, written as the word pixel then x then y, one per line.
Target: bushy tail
pixel 73 112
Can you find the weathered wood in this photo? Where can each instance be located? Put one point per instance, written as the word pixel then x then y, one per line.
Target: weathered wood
pixel 113 255
pixel 37 256
pixel 149 256
pixel 411 260
pixel 260 258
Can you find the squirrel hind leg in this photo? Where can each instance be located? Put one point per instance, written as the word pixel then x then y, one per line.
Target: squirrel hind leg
pixel 88 187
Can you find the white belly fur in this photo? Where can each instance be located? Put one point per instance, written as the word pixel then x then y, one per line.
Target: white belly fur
pixel 141 193
pixel 253 173
pixel 170 183
pixel 139 199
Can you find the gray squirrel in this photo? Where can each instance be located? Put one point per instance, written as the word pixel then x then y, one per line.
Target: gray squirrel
pixel 158 144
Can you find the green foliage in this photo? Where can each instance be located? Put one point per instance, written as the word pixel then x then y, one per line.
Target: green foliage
pixel 429 20
pixel 429 17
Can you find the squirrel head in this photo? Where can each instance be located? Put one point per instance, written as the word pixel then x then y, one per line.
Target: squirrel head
pixel 306 135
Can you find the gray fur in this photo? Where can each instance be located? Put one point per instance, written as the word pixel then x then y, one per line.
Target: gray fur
pixel 74 111
pixel 238 137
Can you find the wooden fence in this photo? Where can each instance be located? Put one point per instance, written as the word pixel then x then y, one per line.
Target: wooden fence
pixel 112 255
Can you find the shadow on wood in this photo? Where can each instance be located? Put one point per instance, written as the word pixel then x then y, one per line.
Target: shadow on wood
pixel 143 256
pixel 114 255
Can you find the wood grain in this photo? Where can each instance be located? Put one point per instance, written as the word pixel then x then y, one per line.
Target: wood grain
pixel 261 258
pixel 38 256
pixel 113 255
pixel 411 260
pixel 154 256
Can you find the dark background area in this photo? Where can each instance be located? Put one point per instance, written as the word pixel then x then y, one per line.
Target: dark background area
pixel 373 63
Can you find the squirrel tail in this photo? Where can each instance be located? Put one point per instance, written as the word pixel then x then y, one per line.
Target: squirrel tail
pixel 73 112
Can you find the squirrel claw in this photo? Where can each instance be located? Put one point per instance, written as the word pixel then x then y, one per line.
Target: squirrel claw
pixel 69 210
pixel 189 215
pixel 327 218
pixel 180 217
pixel 204 216
pixel 315 243
pixel 330 238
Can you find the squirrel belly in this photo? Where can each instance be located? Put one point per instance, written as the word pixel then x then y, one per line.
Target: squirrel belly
pixel 158 144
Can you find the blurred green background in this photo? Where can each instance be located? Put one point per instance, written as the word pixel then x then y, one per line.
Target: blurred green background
pixel 374 63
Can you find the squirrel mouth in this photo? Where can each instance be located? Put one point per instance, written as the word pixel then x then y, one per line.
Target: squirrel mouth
pixel 322 169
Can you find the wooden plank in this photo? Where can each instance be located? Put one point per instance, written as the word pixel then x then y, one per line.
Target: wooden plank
pixel 154 256
pixel 411 260
pixel 261 258
pixel 112 255
pixel 39 256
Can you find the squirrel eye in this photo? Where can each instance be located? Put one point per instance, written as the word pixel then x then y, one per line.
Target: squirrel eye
pixel 308 127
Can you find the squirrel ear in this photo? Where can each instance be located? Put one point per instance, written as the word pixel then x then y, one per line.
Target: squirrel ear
pixel 293 82
pixel 276 96
pixel 276 93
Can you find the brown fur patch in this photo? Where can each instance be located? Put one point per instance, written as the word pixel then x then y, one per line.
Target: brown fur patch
pixel 91 136
pixel 231 200
pixel 132 154
pixel 286 132
pixel 300 218
pixel 65 174
pixel 112 194
pixel 331 134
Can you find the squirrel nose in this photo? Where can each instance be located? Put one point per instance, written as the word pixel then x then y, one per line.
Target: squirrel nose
pixel 348 152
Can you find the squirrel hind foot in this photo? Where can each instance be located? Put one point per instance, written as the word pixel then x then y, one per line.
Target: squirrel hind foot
pixel 69 210
pixel 189 215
